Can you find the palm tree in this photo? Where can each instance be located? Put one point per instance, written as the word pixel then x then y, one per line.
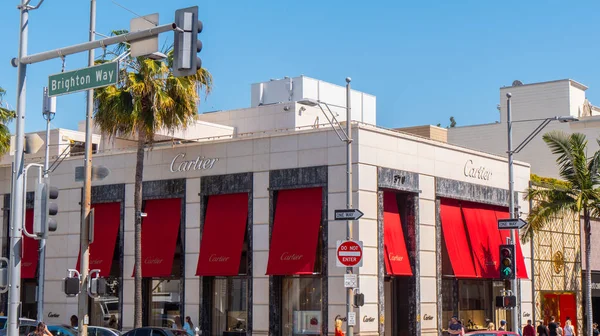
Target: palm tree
pixel 580 195
pixel 148 98
pixel 6 116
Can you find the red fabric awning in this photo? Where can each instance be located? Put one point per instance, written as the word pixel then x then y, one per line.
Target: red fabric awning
pixel 223 235
pixel 107 217
pixel 455 237
pixel 31 247
pixel 485 239
pixel 520 260
pixel 160 229
pixel 396 257
pixel 295 233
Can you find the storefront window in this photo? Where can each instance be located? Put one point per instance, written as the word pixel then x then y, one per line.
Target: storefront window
pixel 105 310
pixel 475 303
pixel 230 305
pixel 165 303
pixel 301 313
pixel 447 301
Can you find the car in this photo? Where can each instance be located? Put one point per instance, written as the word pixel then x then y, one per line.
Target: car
pixel 25 326
pixel 492 333
pixel 65 330
pixel 155 331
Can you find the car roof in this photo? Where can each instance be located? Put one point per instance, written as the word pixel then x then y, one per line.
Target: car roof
pixel 491 332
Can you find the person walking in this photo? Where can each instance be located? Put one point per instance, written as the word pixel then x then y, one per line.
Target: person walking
pixel 188 326
pixel 559 329
pixel 569 330
pixel 74 322
pixel 596 332
pixel 528 329
pixel 455 327
pixel 177 323
pixel 542 329
pixel 41 330
pixel 338 328
pixel 502 325
pixel 553 327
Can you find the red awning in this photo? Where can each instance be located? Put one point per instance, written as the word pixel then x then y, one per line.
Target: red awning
pixel 295 234
pixel 504 234
pixel 107 217
pixel 31 247
pixel 455 237
pixel 160 229
pixel 485 238
pixel 223 235
pixel 396 257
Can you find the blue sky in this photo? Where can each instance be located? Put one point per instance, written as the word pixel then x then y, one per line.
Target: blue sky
pixel 424 60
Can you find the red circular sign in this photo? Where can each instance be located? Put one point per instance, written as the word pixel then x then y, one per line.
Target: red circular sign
pixel 349 253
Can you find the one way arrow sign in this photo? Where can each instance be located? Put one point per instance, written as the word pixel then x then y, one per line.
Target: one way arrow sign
pixel 348 214
pixel 511 224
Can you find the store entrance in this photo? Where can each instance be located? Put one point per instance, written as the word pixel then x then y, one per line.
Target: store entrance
pixel 397 305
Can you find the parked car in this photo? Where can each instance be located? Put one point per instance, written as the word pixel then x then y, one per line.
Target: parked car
pixel 65 330
pixel 155 331
pixel 25 326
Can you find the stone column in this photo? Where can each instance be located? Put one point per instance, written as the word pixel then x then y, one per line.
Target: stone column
pixel 427 249
pixel 260 233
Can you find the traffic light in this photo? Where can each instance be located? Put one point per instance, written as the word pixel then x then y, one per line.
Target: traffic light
pixel 43 209
pixel 507 262
pixel 359 300
pixel 186 43
pixel 506 301
pixel 71 286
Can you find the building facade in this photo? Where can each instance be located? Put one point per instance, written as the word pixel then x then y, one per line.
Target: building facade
pixel 239 230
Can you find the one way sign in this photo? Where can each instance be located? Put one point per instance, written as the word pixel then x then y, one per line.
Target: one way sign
pixel 511 224
pixel 348 214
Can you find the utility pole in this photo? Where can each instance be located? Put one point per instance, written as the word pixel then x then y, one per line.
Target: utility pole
pixel 349 291
pixel 511 204
pixel 48 114
pixel 87 190
pixel 17 205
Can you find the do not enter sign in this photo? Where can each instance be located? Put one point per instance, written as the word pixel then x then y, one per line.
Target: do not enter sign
pixel 349 253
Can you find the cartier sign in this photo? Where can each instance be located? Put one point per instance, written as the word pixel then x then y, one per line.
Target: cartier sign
pixel 181 164
pixel 475 171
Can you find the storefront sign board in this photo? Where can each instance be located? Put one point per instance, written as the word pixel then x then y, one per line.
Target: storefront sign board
pixel 349 253
pixel 351 318
pixel 350 281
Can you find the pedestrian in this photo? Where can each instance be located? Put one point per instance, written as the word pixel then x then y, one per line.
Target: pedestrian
pixel 41 330
pixel 177 323
pixel 542 330
pixel 338 328
pixel 552 326
pixel 569 330
pixel 112 322
pixel 596 331
pixel 559 329
pixel 502 325
pixel 491 326
pixel 528 329
pixel 455 327
pixel 74 322
pixel 188 326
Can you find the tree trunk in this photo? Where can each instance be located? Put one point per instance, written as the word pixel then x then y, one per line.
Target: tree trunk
pixel 588 273
pixel 137 199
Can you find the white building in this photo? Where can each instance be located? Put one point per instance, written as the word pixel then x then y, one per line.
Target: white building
pixel 240 232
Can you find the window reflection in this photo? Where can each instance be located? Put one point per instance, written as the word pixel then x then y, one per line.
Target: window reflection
pixel 301 306
pixel 165 302
pixel 230 305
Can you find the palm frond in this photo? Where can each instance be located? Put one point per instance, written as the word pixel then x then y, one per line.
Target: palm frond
pixel 549 204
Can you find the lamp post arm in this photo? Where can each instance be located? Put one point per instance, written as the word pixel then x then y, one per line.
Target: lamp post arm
pixel 533 134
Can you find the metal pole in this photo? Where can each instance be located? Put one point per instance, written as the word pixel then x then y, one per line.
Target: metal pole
pixel 511 197
pixel 17 204
pixel 87 190
pixel 48 115
pixel 349 291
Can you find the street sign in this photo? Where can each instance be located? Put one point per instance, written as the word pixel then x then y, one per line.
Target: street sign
pixel 83 79
pixel 98 173
pixel 350 281
pixel 348 214
pixel 510 224
pixel 351 318
pixel 349 253
pixel 148 45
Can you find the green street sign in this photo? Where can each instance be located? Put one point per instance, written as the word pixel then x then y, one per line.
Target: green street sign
pixel 83 79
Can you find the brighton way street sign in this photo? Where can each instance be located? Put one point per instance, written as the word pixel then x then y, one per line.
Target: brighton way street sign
pixel 349 253
pixel 511 224
pixel 83 79
pixel 348 214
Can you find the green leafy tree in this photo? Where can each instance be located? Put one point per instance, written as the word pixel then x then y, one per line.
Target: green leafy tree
pixel 6 116
pixel 148 98
pixel 452 122
pixel 579 194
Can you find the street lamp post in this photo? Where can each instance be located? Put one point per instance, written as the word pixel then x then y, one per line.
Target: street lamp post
pixel 511 186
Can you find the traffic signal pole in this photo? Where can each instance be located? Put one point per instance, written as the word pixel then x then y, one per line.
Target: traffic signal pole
pixel 84 266
pixel 511 203
pixel 349 291
pixel 17 205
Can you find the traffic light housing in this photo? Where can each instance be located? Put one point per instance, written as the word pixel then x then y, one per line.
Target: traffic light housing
pixel 186 43
pixel 71 286
pixel 359 300
pixel 507 262
pixel 508 302
pixel 44 209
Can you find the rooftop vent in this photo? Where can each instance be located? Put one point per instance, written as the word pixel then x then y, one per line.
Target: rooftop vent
pixel 517 83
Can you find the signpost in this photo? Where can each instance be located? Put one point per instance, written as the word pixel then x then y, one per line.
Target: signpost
pixel 83 79
pixel 511 224
pixel 351 318
pixel 348 214
pixel 350 281
pixel 349 253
